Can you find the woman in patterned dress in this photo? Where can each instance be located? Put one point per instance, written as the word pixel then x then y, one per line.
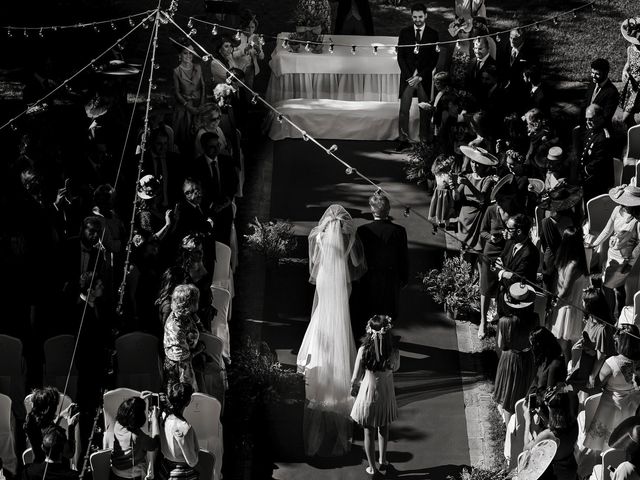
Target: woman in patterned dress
pixel 629 98
pixel 181 335
pixel 188 84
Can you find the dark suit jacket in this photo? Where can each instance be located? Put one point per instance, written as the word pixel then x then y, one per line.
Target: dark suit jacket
pixel 424 61
pixel 596 163
pixel 524 263
pixel 538 99
pixel 344 7
pixel 607 98
pixel 474 75
pixel 387 255
pixel 175 174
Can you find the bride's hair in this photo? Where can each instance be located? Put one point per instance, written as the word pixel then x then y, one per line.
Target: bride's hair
pixel 377 343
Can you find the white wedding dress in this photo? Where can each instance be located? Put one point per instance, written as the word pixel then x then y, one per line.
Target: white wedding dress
pixel 327 353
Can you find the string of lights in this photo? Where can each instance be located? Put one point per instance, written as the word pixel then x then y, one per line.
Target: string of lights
pixel 112 23
pixel 65 83
pixel 350 170
pixel 217 27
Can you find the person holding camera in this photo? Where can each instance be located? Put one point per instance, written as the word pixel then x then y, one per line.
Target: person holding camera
pixel 130 443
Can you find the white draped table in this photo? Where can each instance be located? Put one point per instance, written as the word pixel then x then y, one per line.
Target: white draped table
pixel 341 75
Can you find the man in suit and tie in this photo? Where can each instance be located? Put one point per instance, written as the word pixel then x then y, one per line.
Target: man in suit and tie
pixel 537 95
pixel 416 65
pixel 602 91
pixel 164 166
pixel 595 156
pixel 387 255
pixel 479 65
pixel 519 259
pixel 219 184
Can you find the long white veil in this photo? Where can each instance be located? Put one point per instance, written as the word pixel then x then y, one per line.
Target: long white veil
pixel 327 353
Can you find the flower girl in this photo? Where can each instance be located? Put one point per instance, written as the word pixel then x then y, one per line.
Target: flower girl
pixel 442 202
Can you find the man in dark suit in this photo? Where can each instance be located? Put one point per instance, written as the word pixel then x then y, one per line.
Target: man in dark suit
pixel 165 166
pixel 219 180
pixel 536 92
pixel 416 65
pixel 386 252
pixel 482 61
pixel 353 18
pixel 519 259
pixel 602 91
pixel 595 157
pixel 513 63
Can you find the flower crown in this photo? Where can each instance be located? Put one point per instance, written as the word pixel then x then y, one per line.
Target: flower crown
pixel 385 328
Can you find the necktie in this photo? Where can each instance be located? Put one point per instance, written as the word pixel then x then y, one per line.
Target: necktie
pixel 418 35
pixel 596 91
pixel 514 54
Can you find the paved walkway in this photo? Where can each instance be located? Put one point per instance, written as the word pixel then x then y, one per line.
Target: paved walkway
pixel 430 439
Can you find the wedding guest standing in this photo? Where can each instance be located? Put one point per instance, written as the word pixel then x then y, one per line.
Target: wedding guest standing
pixel 188 85
pixel 249 52
pixel 602 91
pixel 630 100
pixel 469 9
pixel 387 256
pixel 416 64
pixel 596 159
pixel 353 18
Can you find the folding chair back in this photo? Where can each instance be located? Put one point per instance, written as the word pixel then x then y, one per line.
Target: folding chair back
pixel 138 363
pixel 203 414
pixel 632 152
pixel 28 456
pixel 206 463
pixel 517 438
pixel 222 270
pixel 101 464
pixel 215 377
pixel 57 358
pixel 111 401
pixel 590 406
pixel 618 169
pixel 611 457
pixel 220 323
pixel 599 210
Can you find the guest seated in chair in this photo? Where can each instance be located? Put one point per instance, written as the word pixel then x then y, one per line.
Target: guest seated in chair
pixel 178 440
pixel 131 444
pixel 53 443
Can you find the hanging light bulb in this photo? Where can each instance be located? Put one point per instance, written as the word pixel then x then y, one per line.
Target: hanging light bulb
pixel 156 66
pixel 280 118
pixel 574 15
pixel 285 43
pixel 498 38
pixel 407 211
pixel 555 21
pixel 229 79
pixel 254 99
pixel 190 23
pixel 153 86
pixel 375 50
pixel 145 26
pixel 214 30
pixel 120 47
pixel 537 27
pixel 206 58
pixel 333 148
pixel 237 35
pixel 193 31
pixel 14 127
pixel 331 48
pixel 96 28
pixel 437 47
pixel 349 170
pixel 261 40
pixel 113 26
pixel 25 33
pixel 55 29
pixel 305 137
pixel 353 49
pixel 458 45
pixel 131 22
pixel 307 47
pixel 41 33
pixel 9 33
pixel 416 50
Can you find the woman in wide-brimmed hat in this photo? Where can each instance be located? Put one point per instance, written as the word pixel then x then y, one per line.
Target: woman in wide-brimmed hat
pixel 629 98
pixel 474 192
pixel 515 368
pixel 623 233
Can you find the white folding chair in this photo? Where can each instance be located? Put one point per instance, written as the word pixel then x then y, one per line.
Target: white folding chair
pixel 28 456
pixel 216 377
pixel 586 417
pixel 206 465
pixel 101 464
pixel 111 401
pixel 241 171
pixel 138 362
pixel 618 169
pixel 222 276
pixel 599 211
pixel 515 433
pixel 632 149
pixel 57 358
pixel 220 323
pixel 63 402
pixel 7 440
pixel 203 414
pixel 12 372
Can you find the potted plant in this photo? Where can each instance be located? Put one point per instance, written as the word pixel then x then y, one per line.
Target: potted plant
pixel 418 165
pixel 455 286
pixel 274 239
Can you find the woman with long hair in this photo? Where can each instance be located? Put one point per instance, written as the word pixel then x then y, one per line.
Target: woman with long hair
pixel 616 378
pixel 548 360
pixel 178 441
pixel 336 258
pixel 130 443
pixel 372 385
pixel 571 265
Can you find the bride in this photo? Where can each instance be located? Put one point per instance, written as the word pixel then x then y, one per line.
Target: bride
pixel 327 354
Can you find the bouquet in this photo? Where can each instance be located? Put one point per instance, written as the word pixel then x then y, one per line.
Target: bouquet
pixel 222 92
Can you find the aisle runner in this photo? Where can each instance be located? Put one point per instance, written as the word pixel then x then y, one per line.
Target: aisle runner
pixel 429 440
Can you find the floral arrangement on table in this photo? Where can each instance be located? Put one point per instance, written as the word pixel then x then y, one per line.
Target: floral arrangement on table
pixel 274 239
pixel 312 17
pixel 222 92
pixel 418 165
pixel 455 285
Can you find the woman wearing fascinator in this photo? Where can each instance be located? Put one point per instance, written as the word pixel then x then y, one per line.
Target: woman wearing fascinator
pixel 336 258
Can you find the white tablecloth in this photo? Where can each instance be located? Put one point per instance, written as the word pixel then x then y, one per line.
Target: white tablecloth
pixel 339 75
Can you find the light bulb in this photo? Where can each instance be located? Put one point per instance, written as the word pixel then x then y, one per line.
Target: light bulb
pixel 407 211
pixel 214 30
pixel 131 22
pixel 254 99
pixel 41 33
pixel 190 23
pixel 237 36
pixel 331 48
pixel 375 50
pixel 353 49
pixel 416 50
pixel 333 148
pixel 193 31
pixel 438 48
